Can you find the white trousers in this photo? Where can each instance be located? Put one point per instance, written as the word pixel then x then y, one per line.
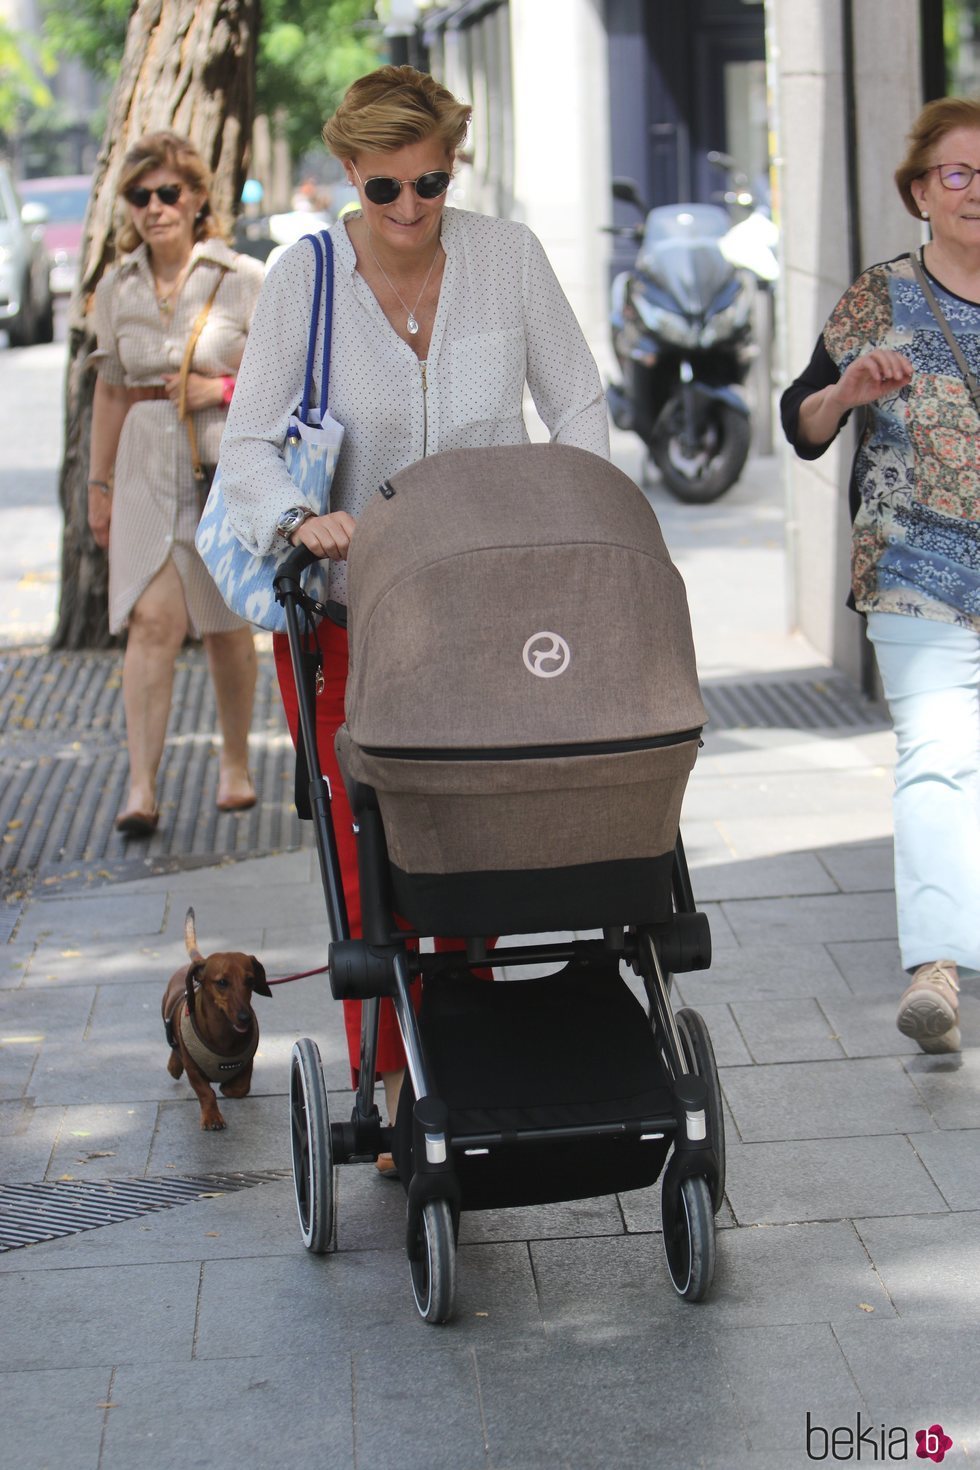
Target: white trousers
pixel 931 677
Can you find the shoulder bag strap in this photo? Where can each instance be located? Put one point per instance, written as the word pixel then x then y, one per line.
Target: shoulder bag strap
pixel 327 321
pixel 918 268
pixel 185 368
pixel 318 249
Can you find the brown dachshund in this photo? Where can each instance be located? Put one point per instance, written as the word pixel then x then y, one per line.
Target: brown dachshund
pixel 210 1024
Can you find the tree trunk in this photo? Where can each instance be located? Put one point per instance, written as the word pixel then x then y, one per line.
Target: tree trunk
pixel 188 65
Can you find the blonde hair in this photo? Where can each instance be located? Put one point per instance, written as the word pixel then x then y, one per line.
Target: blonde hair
pixel 168 150
pixel 929 129
pixel 391 108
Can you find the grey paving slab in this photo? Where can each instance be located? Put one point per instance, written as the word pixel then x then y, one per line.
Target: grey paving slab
pixel 726 1039
pixel 292 1410
pixel 102 1071
pixel 949 1087
pixel 813 920
pixel 823 1099
pixel 27 1137
pixel 952 1158
pixel 928 1265
pixel 17 1062
pixel 727 798
pixel 607 1401
pixel 103 1141
pixel 865 1026
pixel 257 1135
pixel 260 1220
pixel 754 971
pixel 418 1416
pixel 870 967
pixel 14 961
pixel 860 867
pixel 351 1299
pixel 754 837
pixel 794 873
pixel 370 1209
pixel 31 1016
pixel 641 1211
pixel 777 1374
pixel 828 1179
pixel 53 1418
pixel 296 867
pixel 916 1374
pixel 775 1275
pixel 74 1318
pixel 588 1217
pixel 89 917
pixel 105 962
pixel 785 1030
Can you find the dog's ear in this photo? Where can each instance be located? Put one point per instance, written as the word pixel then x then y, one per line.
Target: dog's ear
pixel 192 981
pixel 258 982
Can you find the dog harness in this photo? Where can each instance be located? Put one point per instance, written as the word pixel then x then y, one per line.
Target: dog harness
pixel 216 1066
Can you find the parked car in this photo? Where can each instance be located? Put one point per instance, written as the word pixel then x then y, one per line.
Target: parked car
pixel 26 308
pixel 66 201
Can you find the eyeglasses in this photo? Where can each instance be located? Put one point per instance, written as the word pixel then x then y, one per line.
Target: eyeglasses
pixel 954 175
pixel 381 189
pixel 139 196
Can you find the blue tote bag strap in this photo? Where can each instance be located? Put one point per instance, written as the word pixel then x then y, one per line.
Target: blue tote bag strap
pixel 318 248
pixel 327 323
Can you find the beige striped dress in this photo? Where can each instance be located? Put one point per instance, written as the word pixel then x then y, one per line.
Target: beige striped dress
pixel 155 505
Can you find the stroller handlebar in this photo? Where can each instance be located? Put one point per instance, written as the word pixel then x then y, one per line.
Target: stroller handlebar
pixel 286 579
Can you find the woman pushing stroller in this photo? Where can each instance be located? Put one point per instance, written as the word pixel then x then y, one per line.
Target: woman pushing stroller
pixel 440 318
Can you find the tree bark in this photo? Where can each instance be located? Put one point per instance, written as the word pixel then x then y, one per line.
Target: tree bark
pixel 188 65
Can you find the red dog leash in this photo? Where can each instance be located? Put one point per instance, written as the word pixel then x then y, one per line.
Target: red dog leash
pixel 300 975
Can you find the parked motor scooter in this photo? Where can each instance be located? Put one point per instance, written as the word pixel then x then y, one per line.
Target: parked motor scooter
pixel 682 333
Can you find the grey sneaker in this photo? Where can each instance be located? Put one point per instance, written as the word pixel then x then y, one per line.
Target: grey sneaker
pixel 929 1011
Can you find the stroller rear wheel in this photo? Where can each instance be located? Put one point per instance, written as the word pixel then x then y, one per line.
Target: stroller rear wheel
pixel 689 1239
pixel 312 1148
pixel 434 1269
pixel 700 1057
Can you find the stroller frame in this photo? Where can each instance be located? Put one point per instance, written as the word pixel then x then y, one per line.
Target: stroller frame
pixel 381 963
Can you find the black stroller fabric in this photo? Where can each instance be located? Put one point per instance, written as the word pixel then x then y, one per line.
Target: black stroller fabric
pixel 573 1049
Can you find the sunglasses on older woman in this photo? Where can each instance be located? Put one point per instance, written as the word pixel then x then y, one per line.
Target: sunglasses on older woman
pixel 380 189
pixel 139 196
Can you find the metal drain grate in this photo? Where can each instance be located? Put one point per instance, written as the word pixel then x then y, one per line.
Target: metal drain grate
pixel 828 701
pixel 30 1213
pixel 64 768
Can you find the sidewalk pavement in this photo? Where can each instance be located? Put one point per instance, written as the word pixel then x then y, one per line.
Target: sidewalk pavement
pixel 846 1291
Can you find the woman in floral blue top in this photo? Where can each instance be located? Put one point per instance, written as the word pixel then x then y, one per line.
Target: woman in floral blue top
pixel 915 570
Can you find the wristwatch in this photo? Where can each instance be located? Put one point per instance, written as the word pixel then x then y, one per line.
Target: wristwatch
pixel 292 519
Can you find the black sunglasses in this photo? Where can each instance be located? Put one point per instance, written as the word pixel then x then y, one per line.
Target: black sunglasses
pixel 382 190
pixel 139 196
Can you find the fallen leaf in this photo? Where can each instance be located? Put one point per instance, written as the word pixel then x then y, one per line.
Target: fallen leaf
pixel 212 1234
pixel 15 823
pixel 866 1306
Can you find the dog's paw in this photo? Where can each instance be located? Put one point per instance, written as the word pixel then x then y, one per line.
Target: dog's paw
pixel 213 1125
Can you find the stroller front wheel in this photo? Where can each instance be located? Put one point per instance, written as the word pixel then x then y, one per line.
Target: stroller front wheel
pixel 700 1057
pixel 689 1239
pixel 434 1270
pixel 312 1148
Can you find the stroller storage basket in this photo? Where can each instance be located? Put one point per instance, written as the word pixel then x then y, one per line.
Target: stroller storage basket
pixel 523 699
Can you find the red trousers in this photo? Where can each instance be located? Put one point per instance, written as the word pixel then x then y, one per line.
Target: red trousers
pixel 329 718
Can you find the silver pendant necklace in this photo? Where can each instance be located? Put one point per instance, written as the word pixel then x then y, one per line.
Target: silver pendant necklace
pixel 412 323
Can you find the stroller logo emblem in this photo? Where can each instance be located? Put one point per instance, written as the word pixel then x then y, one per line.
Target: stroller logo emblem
pixel 546 655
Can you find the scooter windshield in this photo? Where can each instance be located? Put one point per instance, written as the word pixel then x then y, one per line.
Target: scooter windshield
pixel 680 253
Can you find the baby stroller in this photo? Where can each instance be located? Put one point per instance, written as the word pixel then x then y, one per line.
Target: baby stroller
pixel 523 712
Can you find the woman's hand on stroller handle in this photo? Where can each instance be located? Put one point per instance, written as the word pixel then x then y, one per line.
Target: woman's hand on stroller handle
pixel 326 537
